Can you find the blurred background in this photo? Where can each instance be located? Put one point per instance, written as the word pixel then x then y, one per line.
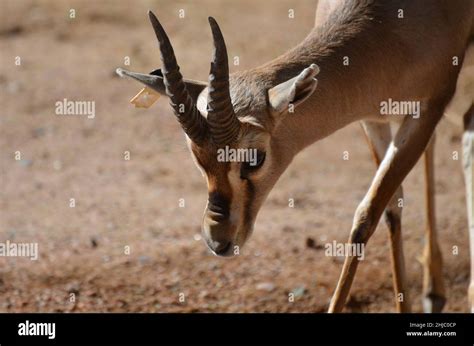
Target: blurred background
pixel 136 203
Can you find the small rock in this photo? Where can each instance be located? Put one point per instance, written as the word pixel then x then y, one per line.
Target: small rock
pixel 57 165
pixel 299 291
pixel 25 162
pixel 265 286
pixel 13 87
pixel 39 132
pixel 73 288
pixel 311 244
pixel 144 260
pixel 13 30
pixel 203 294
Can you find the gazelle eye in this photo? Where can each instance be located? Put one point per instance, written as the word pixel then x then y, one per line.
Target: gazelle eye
pixel 260 159
pixel 252 166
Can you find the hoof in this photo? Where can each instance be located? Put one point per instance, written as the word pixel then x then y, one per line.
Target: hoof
pixel 433 303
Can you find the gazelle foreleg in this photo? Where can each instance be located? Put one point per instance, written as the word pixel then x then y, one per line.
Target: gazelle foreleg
pixel 433 283
pixel 402 154
pixel 379 137
pixel 468 163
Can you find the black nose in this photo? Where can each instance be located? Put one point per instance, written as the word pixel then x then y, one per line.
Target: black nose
pixel 222 248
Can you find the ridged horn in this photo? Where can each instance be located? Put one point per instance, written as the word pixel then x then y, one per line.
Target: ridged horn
pixel 191 120
pixel 223 123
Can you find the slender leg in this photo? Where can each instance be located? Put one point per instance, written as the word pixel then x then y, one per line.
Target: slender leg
pixel 379 137
pixel 468 163
pixel 401 156
pixel 433 283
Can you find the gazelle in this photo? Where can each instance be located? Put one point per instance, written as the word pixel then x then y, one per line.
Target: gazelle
pixel 278 110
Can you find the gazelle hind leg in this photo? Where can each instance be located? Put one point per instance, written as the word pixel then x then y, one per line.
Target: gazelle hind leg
pixel 433 284
pixel 379 137
pixel 468 163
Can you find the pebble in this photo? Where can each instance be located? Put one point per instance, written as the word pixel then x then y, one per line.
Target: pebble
pixel 299 291
pixel 25 162
pixel 94 242
pixel 13 87
pixel 265 286
pixel 144 260
pixel 311 244
pixel 57 165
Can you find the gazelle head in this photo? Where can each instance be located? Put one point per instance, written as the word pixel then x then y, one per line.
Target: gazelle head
pixel 235 113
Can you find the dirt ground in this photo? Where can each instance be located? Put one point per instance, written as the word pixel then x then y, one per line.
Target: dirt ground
pixel 135 203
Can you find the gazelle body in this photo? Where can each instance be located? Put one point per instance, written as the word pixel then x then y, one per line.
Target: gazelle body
pixel 367 53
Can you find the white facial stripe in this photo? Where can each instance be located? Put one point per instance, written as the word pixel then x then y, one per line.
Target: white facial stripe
pixel 196 162
pixel 235 182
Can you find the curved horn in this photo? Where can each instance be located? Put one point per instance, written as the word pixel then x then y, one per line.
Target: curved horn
pixel 223 123
pixel 191 120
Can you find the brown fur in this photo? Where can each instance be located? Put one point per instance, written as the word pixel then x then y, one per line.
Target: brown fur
pixel 386 60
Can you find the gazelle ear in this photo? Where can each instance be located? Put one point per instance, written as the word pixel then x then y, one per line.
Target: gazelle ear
pixel 154 80
pixel 294 91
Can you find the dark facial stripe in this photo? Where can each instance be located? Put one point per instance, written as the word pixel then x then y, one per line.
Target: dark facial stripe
pixel 249 197
pixel 218 203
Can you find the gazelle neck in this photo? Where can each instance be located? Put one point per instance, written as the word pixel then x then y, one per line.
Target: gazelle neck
pixel 340 50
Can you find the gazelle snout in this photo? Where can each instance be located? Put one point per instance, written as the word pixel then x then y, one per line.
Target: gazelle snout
pixel 218 236
pixel 217 227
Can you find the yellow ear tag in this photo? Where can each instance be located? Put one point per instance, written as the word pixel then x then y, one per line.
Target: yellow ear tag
pixel 145 98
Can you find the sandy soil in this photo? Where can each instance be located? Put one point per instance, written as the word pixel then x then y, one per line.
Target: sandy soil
pixel 136 203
